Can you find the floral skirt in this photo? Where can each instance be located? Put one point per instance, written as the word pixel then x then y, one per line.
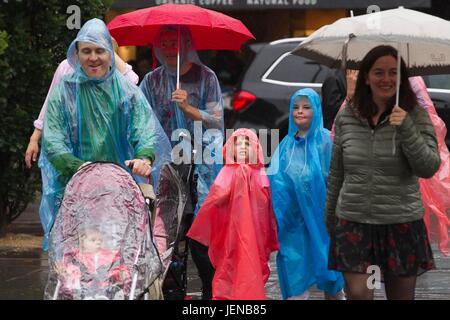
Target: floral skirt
pixel 397 249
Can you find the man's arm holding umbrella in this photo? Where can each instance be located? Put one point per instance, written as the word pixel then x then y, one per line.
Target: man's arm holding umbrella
pixel 211 114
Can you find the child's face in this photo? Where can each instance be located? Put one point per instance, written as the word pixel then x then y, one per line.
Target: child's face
pixel 302 113
pixel 91 241
pixel 242 149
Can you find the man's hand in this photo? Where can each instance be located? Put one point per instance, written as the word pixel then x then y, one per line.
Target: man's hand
pixel 84 164
pixel 397 116
pixel 140 167
pixel 180 96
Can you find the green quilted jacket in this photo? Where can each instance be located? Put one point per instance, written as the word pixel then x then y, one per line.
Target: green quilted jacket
pixel 374 174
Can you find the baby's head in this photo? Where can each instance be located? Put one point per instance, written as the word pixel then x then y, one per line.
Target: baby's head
pixel 91 240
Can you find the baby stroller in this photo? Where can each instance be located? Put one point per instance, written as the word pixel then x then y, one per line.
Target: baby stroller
pixel 100 246
pixel 175 206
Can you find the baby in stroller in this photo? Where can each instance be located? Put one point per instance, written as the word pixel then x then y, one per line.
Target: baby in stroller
pixel 100 246
pixel 93 266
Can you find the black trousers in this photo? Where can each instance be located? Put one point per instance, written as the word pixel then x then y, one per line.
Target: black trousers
pixel 205 269
pixel 175 284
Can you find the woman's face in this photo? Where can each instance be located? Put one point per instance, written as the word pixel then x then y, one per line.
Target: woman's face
pixel 94 60
pixel 382 78
pixel 169 44
pixel 302 113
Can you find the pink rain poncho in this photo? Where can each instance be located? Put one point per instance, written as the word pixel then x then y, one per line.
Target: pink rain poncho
pixel 237 222
pixel 436 190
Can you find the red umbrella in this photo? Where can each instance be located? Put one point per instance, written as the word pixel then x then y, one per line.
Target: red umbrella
pixel 209 29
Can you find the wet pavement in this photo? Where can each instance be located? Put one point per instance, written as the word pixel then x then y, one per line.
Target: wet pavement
pixel 23 273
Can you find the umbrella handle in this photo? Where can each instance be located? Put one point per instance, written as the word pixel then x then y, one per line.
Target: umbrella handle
pixel 178 60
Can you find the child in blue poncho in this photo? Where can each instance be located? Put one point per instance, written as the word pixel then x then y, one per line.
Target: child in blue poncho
pixel 298 174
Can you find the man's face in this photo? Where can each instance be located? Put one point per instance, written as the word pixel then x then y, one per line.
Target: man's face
pixel 169 44
pixel 94 60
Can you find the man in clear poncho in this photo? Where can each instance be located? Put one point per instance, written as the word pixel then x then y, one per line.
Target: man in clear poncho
pixel 195 108
pixel 197 100
pixel 95 114
pixel 299 190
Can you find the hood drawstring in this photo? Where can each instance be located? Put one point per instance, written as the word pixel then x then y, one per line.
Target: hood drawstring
pixel 290 158
pixel 306 156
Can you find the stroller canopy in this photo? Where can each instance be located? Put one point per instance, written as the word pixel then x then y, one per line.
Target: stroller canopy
pixel 103 208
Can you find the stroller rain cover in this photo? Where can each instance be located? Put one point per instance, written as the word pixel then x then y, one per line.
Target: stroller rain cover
pixel 100 246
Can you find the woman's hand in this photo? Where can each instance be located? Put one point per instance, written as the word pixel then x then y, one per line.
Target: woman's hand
pixel 351 77
pixel 140 167
pixel 397 116
pixel 32 153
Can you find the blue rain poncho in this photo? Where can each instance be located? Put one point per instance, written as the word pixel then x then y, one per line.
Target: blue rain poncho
pixel 204 93
pixel 299 170
pixel 94 119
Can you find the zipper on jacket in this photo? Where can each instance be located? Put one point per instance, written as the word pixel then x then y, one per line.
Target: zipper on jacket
pixel 369 189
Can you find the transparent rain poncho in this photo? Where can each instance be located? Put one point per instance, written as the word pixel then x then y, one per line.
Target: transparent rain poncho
pixel 237 223
pixel 173 203
pixel 204 93
pixel 299 194
pixel 94 119
pixel 100 245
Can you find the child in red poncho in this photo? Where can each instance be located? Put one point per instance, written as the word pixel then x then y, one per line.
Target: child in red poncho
pixel 237 222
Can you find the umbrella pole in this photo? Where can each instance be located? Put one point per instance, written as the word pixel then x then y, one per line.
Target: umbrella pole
pixel 178 60
pixel 399 57
pixel 397 94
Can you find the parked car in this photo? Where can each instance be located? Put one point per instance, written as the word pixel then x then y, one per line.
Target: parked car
pixel 261 99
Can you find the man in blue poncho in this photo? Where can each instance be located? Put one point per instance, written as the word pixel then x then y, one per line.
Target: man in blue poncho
pixel 95 114
pixel 298 174
pixel 196 107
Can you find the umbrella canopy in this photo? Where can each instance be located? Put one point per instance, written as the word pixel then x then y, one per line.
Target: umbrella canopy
pixel 209 29
pixel 422 39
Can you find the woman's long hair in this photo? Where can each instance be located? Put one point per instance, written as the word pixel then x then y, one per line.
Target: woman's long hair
pixel 363 100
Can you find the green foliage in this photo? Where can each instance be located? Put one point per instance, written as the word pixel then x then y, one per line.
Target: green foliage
pixel 33 41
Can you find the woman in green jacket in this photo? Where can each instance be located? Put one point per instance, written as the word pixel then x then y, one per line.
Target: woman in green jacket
pixel 374 211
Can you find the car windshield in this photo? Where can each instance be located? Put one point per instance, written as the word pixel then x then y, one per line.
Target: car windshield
pixel 295 69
